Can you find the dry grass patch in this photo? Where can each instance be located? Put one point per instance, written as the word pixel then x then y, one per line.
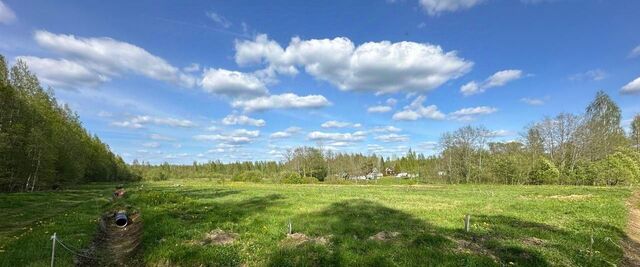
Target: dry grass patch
pixel 216 237
pixel 534 241
pixel 571 197
pixel 297 239
pixel 384 236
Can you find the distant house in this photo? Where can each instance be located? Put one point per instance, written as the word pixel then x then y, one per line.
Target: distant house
pixel 374 174
pixel 389 171
pixel 406 175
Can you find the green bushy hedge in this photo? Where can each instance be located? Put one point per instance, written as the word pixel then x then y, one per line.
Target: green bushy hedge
pixel 288 177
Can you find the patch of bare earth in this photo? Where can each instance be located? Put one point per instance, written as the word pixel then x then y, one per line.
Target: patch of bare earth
pixel 469 247
pixel 533 241
pixel 631 243
pixel 384 236
pixel 216 237
pixel 297 239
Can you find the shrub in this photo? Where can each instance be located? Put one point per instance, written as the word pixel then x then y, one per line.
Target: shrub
pixel 310 180
pixel 615 169
pixel 631 159
pixel 290 178
pixel 544 172
pixel 248 176
pixel 583 173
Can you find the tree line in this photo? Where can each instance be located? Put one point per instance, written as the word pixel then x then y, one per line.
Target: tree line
pixel 578 149
pixel 43 144
pixel 573 149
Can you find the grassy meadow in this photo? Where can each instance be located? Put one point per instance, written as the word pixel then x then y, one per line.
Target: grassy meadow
pixel 416 224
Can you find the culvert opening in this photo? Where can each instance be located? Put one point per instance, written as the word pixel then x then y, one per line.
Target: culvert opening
pixel 121 219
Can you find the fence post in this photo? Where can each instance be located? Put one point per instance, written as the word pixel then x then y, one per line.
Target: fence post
pixel 53 248
pixel 467 225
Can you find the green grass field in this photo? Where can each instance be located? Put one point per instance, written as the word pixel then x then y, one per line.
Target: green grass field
pixel 510 225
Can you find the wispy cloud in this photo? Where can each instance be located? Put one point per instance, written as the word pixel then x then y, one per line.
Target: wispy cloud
pixel 532 101
pixel 499 78
pixel 7 15
pixel 219 19
pixel 590 75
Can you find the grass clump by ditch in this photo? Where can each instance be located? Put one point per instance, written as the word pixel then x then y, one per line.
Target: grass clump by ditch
pixel 337 225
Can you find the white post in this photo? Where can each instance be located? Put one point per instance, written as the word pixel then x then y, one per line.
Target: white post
pixel 467 225
pixel 290 228
pixel 53 248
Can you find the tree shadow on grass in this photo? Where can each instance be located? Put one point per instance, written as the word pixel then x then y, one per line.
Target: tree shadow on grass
pixel 350 225
pixel 174 230
pixel 605 243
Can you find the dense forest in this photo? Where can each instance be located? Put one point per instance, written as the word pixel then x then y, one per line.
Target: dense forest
pixel 42 143
pixel 573 149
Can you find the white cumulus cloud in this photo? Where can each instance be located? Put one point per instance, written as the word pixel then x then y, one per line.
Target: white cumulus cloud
pixel 380 67
pixel 64 73
pixel 467 114
pixel 499 78
pixel 110 57
pixel 234 119
pixel 632 87
pixel 416 110
pixel 232 83
pixel 140 121
pixel 379 109
pixel 282 101
pixel 286 133
pixel 237 137
pixel 330 136
pixel 339 124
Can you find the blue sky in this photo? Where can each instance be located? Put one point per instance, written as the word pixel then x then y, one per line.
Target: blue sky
pixel 244 80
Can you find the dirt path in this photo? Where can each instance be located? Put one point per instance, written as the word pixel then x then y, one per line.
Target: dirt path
pixel 631 243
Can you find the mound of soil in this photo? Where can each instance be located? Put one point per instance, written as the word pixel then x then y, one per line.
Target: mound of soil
pixel 219 237
pixel 534 241
pixel 466 246
pixel 384 236
pixel 297 239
